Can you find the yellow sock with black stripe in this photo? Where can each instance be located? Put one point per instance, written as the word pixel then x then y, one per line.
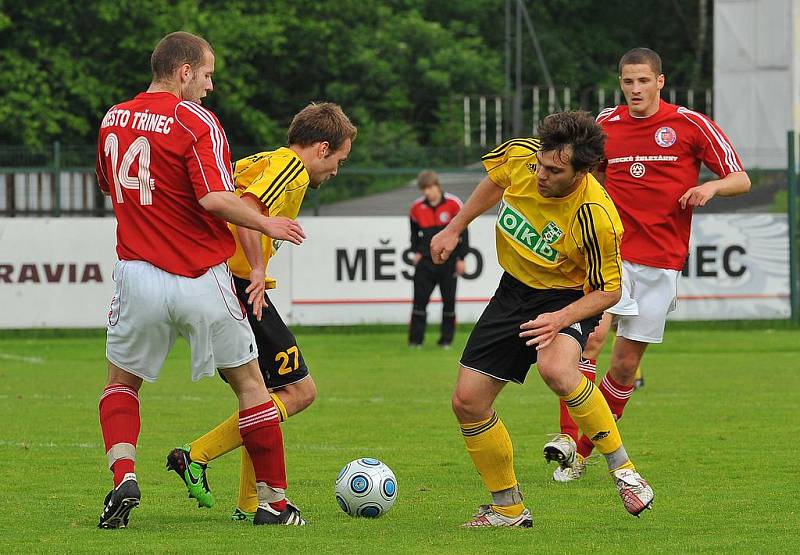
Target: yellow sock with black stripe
pixel 489 445
pixel 222 439
pixel 280 406
pixel 589 409
pixel 248 492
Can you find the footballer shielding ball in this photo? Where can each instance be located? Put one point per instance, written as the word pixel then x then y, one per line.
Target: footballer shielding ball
pixel 366 487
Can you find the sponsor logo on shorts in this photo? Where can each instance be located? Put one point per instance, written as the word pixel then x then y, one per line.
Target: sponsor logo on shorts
pixel 518 228
pixel 577 326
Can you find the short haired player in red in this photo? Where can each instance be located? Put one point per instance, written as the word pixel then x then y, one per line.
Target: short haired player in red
pixel 165 162
pixel 652 161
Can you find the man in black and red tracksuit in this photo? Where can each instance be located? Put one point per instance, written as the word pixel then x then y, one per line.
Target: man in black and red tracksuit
pixel 430 214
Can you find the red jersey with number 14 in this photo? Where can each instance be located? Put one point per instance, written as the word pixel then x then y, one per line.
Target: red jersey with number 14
pixel 649 164
pixel 156 157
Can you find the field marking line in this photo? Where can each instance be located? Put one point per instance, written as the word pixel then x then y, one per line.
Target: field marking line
pixel 21 358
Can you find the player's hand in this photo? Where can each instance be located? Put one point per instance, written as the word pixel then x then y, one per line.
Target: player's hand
pixel 543 329
pixel 459 267
pixel 417 258
pixel 698 196
pixel 286 229
pixel 443 244
pixel 257 290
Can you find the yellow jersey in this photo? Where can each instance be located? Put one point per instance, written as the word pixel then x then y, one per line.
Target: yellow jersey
pixel 279 180
pixel 553 243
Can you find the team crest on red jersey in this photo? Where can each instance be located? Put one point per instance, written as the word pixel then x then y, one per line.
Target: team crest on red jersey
pixel 666 136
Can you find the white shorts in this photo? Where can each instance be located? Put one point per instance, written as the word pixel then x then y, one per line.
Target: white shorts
pixel 151 308
pixel 648 295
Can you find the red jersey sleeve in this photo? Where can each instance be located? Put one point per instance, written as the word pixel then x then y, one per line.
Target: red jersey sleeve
pixel 102 180
pixel 209 158
pixel 711 145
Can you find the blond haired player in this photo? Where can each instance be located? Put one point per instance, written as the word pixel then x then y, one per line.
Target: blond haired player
pixel 275 182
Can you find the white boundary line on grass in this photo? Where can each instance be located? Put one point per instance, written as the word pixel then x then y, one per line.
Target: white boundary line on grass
pixel 21 358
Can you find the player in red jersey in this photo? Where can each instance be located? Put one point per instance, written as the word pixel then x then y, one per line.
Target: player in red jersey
pixel 429 215
pixel 652 163
pixel 165 161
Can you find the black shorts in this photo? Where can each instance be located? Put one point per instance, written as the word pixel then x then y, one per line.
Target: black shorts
pixel 495 348
pixel 279 357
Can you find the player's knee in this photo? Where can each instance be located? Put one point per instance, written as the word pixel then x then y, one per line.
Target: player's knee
pixel 624 365
pixel 556 377
pixel 307 394
pixel 467 408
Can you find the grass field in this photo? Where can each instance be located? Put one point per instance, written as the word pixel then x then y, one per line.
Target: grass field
pixel 713 431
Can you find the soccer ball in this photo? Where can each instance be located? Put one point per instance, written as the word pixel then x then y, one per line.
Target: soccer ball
pixel 366 487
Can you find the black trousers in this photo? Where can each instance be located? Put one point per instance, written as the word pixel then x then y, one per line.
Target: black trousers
pixel 427 276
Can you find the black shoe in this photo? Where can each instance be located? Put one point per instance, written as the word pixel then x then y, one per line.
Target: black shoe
pixel 290 516
pixel 119 503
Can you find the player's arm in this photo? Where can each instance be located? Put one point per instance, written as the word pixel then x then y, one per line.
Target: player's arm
pixel 229 207
pixel 733 184
pixel 598 232
pixel 209 167
pixel 715 150
pixel 250 241
pixel 485 195
pixel 544 329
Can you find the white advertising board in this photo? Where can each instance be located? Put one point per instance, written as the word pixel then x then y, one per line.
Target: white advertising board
pixel 57 272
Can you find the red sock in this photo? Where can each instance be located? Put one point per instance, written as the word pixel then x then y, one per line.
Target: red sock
pixel 263 440
pixel 588 367
pixel 119 421
pixel 616 396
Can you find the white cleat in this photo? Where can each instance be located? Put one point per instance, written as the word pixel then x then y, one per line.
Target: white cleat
pixel 487 517
pixel 561 449
pixel 635 492
pixel 570 474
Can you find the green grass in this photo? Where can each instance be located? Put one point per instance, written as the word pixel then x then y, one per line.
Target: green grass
pixel 714 431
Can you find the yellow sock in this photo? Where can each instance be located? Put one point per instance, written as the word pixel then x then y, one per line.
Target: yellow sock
pixel 589 409
pixel 489 445
pixel 248 494
pixel 511 511
pixel 222 439
pixel 280 406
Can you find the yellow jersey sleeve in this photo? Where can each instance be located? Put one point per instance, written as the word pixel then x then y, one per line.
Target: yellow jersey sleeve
pixel 599 232
pixel 500 162
pixel 270 186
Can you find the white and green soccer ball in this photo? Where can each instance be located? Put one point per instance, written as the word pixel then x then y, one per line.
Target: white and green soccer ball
pixel 366 487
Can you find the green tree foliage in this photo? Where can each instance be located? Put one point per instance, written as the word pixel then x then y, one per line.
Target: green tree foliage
pixel 397 67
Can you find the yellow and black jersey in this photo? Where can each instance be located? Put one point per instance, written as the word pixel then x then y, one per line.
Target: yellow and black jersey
pixel 279 180
pixel 553 243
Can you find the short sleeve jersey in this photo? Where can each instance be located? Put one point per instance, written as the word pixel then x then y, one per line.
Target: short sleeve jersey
pixel 279 180
pixel 156 157
pixel 649 164
pixel 553 243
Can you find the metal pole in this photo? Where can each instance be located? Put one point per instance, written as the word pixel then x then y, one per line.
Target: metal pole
pixel 57 179
pixel 792 184
pixel 482 118
pixel 517 123
pixel 467 123
pixel 498 120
